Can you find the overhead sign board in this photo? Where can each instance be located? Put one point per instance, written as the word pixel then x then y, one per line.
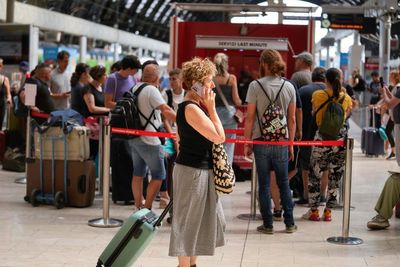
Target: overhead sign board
pixel 241 43
pixel 349 22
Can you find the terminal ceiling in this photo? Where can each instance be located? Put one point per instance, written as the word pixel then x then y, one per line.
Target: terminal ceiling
pixel 148 18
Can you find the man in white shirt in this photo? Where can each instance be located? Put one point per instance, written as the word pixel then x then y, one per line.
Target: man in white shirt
pixel 173 96
pixel 146 150
pixel 60 85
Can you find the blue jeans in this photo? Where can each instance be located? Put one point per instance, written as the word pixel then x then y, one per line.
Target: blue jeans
pixel 271 157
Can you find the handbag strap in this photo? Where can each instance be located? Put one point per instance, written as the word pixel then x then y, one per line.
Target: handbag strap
pixel 148 120
pixel 223 98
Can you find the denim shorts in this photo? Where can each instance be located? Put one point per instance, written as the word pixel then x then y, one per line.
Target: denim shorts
pixel 144 155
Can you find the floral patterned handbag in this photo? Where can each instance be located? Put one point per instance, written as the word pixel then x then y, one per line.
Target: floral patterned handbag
pixel 224 177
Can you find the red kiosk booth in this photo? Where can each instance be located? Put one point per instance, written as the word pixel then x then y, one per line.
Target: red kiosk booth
pixel 243 43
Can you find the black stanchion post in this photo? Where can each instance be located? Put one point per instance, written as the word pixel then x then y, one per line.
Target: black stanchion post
pixel 345 239
pixel 106 221
pixel 253 205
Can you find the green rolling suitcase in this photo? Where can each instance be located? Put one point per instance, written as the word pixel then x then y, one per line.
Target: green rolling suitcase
pixel 133 237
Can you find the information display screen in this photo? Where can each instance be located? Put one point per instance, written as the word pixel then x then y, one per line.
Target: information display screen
pixel 349 22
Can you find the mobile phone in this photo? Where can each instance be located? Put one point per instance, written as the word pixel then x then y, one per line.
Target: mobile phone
pixel 381 81
pixel 198 88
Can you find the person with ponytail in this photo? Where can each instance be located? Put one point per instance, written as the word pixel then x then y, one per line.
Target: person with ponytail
pixel 327 159
pixel 226 84
pixel 79 79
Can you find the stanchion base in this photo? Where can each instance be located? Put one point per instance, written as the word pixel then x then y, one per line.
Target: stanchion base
pixel 340 240
pixel 248 216
pixel 103 223
pixel 21 180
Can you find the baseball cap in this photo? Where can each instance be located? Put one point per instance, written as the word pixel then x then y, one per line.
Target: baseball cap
pixel 24 65
pixel 306 57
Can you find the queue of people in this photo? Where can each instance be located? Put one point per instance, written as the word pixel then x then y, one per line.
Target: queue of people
pixel 278 109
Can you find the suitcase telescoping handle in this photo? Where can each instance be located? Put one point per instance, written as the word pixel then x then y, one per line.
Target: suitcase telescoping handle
pixel 163 214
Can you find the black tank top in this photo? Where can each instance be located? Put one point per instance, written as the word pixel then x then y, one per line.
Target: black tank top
pixel 98 100
pixel 226 89
pixel 194 149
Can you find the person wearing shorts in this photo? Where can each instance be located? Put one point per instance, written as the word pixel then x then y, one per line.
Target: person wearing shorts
pixel 147 151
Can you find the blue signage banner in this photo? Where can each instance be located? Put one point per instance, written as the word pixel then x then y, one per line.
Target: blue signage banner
pixel 50 53
pixel 344 59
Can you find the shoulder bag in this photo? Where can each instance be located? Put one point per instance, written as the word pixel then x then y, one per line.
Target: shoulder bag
pixel 224 177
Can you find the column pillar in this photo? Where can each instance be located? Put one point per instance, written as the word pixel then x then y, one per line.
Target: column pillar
pixel 10 11
pixel 116 55
pixel 33 47
pixel 384 47
pixel 328 60
pixel 356 54
pixel 82 49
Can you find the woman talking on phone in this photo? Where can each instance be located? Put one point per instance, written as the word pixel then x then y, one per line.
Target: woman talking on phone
pixel 198 224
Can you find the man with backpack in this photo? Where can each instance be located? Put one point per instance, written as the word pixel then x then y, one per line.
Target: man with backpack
pixel 271 117
pixel 117 84
pixel 147 151
pixel 330 108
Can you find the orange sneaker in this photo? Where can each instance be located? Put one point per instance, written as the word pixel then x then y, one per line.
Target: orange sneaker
pixel 312 215
pixel 327 215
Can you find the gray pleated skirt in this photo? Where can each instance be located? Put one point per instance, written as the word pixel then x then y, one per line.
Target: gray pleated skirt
pixel 198 223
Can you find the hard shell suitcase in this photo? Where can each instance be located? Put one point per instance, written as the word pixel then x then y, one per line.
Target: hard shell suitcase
pixel 121 171
pixel 131 240
pixel 77 142
pixel 371 142
pixel 80 180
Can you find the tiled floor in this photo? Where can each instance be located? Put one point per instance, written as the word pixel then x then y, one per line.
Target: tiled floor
pixel 44 236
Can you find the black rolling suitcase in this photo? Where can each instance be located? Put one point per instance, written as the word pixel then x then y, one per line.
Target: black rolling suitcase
pixel 121 171
pixel 371 142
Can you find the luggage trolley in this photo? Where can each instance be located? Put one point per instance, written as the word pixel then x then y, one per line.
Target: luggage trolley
pixel 58 198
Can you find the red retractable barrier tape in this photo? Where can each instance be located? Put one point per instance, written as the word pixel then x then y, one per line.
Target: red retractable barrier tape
pixel 229 140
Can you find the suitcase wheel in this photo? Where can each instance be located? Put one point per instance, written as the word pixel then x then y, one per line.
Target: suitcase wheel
pixel 59 200
pixel 26 198
pixel 34 197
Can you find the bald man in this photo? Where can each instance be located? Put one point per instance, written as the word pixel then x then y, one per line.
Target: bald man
pixel 147 151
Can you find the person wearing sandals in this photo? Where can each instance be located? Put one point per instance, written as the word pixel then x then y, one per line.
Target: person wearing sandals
pixel 226 83
pixel 198 224
pixel 271 88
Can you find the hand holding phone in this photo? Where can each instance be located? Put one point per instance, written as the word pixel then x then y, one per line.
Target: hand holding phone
pixel 198 88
